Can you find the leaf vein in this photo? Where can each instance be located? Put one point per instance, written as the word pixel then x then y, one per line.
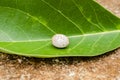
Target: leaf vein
pixel 92 47
pixel 92 23
pixel 40 47
pixel 97 18
pixel 60 12
pixel 33 17
pixel 113 40
pixel 7 35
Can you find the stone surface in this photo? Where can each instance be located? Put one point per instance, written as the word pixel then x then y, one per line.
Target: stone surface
pixel 104 67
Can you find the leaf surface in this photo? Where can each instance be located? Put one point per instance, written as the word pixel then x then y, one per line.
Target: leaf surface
pixel 27 26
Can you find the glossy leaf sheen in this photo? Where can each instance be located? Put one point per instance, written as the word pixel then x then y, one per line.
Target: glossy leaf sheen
pixel 27 26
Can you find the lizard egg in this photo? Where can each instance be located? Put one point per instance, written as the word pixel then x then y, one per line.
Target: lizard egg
pixel 60 41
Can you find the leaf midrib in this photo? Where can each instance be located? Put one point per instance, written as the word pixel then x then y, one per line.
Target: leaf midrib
pixel 70 37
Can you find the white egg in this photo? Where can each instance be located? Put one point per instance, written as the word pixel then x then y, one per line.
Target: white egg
pixel 60 41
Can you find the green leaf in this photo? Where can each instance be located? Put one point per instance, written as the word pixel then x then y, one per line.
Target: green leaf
pixel 27 26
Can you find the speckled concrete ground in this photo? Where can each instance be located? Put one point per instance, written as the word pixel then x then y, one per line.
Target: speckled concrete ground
pixel 104 67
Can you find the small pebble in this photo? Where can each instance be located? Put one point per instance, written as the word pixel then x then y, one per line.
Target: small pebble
pixel 60 41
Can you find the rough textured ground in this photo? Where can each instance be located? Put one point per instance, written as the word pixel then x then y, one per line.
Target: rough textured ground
pixel 104 67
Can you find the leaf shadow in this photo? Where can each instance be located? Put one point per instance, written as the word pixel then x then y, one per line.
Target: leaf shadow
pixel 27 61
